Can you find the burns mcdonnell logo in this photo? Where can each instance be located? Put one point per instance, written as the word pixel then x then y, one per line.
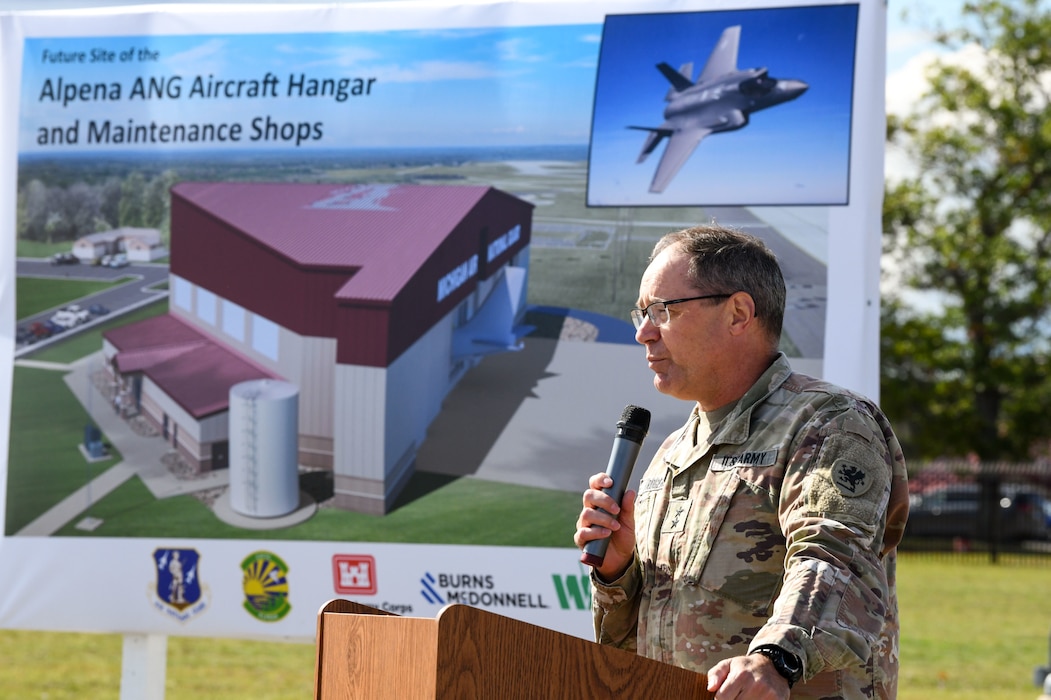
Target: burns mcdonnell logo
pixel 478 590
pixel 178 592
pixel 265 586
pixel 354 574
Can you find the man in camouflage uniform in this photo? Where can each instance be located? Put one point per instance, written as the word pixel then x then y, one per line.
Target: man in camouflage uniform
pixel 760 548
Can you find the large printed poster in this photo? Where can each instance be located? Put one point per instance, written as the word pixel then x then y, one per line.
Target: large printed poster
pixel 303 303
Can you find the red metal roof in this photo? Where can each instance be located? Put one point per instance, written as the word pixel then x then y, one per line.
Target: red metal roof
pixel 195 371
pixel 156 332
pixel 385 231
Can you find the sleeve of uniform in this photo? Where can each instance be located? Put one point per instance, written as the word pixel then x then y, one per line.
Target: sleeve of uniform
pixel 615 607
pixel 833 509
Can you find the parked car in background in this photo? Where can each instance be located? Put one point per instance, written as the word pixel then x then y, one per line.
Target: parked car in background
pixel 64 259
pixel 118 260
pixel 97 310
pixel 955 511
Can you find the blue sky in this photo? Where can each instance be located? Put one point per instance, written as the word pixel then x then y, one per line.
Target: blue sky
pixel 909 35
pixel 910 45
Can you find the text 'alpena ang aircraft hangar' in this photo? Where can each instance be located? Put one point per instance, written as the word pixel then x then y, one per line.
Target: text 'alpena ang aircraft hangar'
pixel 323 321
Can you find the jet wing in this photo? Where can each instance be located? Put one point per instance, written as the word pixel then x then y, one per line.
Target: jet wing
pixel 681 144
pixel 723 58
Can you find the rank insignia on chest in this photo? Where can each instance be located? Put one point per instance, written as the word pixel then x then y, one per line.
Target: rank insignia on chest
pixel 677 515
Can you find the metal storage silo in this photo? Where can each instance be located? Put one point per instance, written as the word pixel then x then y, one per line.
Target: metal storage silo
pixel 264 446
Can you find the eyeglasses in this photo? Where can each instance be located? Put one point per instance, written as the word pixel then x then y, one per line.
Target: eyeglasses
pixel 658 310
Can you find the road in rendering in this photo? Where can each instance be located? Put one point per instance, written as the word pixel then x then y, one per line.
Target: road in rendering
pixel 146 283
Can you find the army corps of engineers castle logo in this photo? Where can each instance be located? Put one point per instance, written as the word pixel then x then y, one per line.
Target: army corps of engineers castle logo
pixel 265 586
pixel 178 593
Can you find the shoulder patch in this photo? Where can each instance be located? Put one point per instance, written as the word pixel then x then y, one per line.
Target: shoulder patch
pixel 851 478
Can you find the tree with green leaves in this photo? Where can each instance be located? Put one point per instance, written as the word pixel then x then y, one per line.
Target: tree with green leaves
pixel 969 371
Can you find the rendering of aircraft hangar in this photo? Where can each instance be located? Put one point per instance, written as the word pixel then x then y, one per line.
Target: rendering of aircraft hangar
pixel 370 301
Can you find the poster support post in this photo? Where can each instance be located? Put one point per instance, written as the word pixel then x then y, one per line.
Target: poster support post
pixel 143 667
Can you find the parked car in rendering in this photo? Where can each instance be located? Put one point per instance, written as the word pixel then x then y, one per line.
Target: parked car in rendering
pixel 53 327
pixel 118 260
pixel 64 259
pixel 39 330
pixel 955 511
pixel 70 316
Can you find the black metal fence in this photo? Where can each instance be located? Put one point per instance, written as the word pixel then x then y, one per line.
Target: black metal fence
pixel 1002 509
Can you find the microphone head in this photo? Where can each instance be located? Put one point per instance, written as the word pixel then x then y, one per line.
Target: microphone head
pixel 636 417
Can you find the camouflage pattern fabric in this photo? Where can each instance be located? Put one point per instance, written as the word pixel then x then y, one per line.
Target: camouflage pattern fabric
pixel 780 528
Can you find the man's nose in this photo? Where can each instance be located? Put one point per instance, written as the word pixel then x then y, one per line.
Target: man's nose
pixel 647 332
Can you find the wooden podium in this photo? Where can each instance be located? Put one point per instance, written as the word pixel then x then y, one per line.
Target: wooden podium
pixel 466 653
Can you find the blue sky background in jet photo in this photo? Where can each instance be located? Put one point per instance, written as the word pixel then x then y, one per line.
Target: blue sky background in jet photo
pixel 796 152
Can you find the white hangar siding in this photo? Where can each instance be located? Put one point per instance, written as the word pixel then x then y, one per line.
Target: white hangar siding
pixel 383 416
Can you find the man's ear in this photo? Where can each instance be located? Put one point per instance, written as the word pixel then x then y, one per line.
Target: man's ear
pixel 742 312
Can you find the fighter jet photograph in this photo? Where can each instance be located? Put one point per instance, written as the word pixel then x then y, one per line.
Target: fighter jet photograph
pixel 799 60
pixel 721 100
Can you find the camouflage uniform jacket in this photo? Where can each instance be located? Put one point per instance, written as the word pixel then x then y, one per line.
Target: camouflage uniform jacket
pixel 780 529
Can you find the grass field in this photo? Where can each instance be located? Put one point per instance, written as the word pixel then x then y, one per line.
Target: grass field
pixel 970 630
pixel 33 295
pixel 39 249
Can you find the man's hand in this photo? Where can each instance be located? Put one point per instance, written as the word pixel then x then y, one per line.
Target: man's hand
pixel 617 523
pixel 753 677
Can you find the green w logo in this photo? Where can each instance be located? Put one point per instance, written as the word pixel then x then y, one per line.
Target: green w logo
pixel 573 591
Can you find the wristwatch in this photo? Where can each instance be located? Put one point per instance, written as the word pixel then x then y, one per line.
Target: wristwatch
pixel 785 662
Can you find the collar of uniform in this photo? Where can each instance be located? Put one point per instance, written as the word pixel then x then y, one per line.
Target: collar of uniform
pixel 738 424
pixel 695 438
pixel 681 452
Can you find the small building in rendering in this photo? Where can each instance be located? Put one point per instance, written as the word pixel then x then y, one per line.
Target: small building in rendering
pixel 372 300
pixel 139 244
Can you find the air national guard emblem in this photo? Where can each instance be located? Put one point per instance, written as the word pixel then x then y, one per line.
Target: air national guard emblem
pixel 265 586
pixel 178 592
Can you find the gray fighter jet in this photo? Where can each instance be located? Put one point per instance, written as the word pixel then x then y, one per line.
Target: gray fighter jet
pixel 720 100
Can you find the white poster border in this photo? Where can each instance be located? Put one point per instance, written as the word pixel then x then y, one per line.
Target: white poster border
pixel 63 584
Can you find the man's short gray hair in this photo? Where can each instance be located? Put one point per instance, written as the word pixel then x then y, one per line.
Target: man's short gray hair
pixel 725 260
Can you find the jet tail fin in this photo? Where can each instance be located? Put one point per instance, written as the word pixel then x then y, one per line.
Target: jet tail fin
pixel 678 81
pixel 686 71
pixel 723 58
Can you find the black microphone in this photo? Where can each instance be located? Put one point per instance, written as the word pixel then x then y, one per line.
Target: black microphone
pixel 631 431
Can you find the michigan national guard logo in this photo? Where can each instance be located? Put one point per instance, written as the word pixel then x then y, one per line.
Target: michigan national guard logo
pixel 265 586
pixel 178 592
